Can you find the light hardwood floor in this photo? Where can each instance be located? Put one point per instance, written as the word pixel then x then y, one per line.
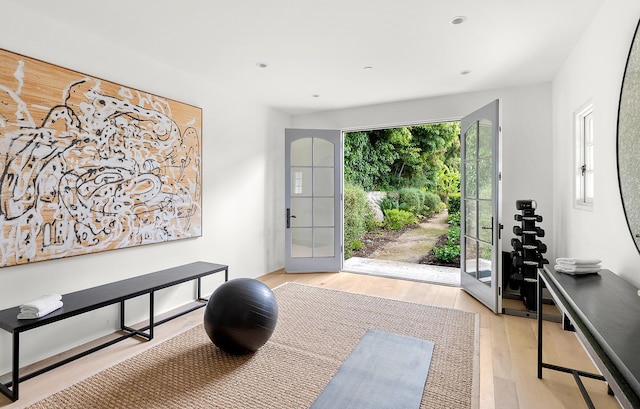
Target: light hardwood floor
pixel 508 348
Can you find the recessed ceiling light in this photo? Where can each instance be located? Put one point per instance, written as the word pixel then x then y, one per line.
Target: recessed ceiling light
pixel 368 68
pixel 458 20
pixel 262 65
pixel 465 72
pixel 315 95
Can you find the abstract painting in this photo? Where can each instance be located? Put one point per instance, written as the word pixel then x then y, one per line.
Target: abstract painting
pixel 88 165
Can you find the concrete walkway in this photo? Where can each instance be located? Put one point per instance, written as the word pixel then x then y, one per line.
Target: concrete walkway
pixel 404 271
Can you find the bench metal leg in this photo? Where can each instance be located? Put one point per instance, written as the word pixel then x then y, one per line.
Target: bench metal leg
pixel 539 286
pixel 139 332
pixel 151 314
pixel 16 366
pixel 10 389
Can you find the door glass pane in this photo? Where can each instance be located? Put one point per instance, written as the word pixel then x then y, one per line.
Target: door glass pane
pixel 470 217
pixel 302 242
pixel 485 255
pixel 486 135
pixel 323 182
pixel 485 178
pixel 322 152
pixel 323 242
pixel 323 212
pixel 302 152
pixel 301 212
pixel 471 256
pixel 471 147
pixel 470 179
pixel 485 221
pixel 301 181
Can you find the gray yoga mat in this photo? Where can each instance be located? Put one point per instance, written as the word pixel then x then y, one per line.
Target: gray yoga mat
pixel 383 371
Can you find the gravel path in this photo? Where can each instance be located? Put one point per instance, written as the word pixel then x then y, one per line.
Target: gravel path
pixel 413 244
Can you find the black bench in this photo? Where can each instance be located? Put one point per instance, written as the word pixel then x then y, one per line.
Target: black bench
pixel 83 301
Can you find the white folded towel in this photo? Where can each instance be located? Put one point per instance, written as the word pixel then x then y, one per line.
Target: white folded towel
pixel 567 268
pixel 31 314
pixel 43 303
pixel 577 261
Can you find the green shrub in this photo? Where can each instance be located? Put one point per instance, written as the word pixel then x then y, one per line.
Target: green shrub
pixel 431 203
pixel 454 203
pixel 396 219
pixel 357 245
pixel 447 253
pixel 454 219
pixel 410 199
pixel 370 223
pixel 453 234
pixel 357 216
pixel 451 249
pixel 388 202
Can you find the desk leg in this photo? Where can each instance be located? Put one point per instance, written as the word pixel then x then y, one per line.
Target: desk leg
pixel 539 286
pixel 16 366
pixel 151 313
pixel 122 324
pixel 200 291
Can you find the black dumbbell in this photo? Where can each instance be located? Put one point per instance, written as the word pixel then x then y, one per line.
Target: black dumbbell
pixel 517 230
pixel 542 248
pixel 517 261
pixel 526 204
pixel 535 218
pixel 516 244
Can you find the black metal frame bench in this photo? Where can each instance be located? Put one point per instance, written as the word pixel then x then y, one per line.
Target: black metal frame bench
pixel 90 299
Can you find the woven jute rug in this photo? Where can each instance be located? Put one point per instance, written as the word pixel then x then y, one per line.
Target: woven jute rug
pixel 316 331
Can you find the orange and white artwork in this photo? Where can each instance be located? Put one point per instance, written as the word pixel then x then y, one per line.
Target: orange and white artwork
pixel 88 165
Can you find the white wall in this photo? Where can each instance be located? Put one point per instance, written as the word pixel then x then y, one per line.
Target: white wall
pixel 243 192
pixel 526 138
pixel 594 71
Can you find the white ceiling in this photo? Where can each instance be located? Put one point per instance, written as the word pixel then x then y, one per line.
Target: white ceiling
pixel 320 47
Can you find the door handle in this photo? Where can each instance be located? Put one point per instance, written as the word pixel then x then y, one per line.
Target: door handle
pixel 289 217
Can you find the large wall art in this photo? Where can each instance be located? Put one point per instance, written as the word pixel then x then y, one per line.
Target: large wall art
pixel 88 165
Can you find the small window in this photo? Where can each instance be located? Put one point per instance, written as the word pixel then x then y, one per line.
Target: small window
pixel 584 157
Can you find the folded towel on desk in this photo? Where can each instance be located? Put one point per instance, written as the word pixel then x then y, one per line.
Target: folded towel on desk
pixel 43 303
pixel 577 270
pixel 30 314
pixel 578 261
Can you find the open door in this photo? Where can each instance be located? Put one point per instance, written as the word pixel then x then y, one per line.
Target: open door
pixel 480 246
pixel 313 200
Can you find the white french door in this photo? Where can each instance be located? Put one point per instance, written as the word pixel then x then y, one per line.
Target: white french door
pixel 480 246
pixel 313 200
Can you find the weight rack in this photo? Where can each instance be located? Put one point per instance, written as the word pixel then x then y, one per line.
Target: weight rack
pixel 527 252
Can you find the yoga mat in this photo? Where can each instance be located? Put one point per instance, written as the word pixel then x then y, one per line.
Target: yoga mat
pixel 384 371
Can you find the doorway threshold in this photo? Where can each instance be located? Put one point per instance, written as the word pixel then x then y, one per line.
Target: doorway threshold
pixel 404 271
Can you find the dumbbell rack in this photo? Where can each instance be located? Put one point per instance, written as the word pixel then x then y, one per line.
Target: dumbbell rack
pixel 527 252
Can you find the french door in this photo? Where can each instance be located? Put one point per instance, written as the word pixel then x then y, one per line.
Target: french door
pixel 313 200
pixel 480 245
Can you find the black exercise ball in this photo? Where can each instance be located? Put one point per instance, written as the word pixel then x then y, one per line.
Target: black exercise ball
pixel 241 315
